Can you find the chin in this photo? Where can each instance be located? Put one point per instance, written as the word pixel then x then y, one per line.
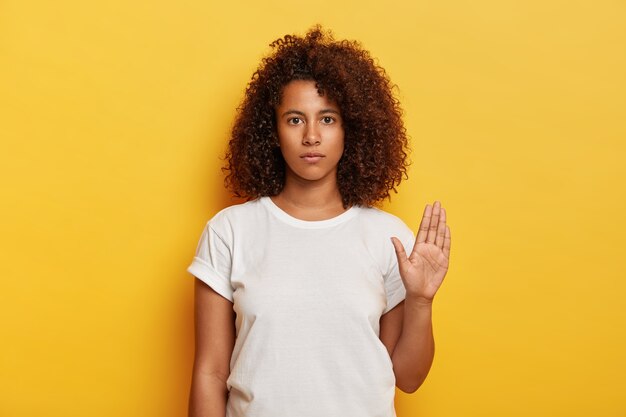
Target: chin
pixel 309 177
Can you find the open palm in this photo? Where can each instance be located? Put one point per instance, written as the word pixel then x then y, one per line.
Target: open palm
pixel 424 269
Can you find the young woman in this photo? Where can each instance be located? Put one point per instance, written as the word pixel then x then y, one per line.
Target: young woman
pixel 310 301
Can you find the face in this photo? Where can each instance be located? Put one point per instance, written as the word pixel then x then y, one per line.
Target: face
pixel 310 133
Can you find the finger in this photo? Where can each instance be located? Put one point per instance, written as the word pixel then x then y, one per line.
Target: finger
pixel 447 243
pixel 441 229
pixel 421 234
pixel 400 252
pixel 434 221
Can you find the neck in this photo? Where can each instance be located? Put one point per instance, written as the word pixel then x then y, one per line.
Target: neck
pixel 306 200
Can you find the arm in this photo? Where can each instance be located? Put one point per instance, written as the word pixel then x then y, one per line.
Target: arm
pixel 214 341
pixel 407 333
pixel 407 330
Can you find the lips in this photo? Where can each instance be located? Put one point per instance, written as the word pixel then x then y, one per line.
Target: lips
pixel 312 157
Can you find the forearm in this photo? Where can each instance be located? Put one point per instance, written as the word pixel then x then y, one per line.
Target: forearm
pixel 415 349
pixel 208 395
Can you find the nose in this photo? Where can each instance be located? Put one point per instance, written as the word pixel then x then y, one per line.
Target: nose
pixel 311 136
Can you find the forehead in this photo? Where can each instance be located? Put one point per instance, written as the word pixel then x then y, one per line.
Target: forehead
pixel 304 93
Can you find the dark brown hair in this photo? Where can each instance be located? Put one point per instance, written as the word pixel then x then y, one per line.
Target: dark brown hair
pixel 376 145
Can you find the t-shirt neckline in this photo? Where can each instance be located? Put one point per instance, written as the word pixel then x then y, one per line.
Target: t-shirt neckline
pixel 307 224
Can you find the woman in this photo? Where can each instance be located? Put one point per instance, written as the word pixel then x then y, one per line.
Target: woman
pixel 303 305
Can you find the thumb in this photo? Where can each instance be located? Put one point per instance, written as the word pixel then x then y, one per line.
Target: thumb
pixel 400 252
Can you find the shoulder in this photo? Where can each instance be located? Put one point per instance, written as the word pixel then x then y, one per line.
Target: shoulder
pixel 380 220
pixel 247 208
pixel 377 227
pixel 235 216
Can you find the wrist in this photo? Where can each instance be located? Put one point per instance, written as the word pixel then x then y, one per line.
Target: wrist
pixel 419 301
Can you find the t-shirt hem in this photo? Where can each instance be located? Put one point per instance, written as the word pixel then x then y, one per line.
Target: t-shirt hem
pixel 207 274
pixel 395 299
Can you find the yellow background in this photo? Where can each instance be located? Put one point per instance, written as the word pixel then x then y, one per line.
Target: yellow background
pixel 113 116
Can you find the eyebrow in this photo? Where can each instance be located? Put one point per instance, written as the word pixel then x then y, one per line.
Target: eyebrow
pixel 299 113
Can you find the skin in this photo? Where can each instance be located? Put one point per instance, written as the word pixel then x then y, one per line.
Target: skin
pixel 214 342
pixel 308 123
pixel 406 330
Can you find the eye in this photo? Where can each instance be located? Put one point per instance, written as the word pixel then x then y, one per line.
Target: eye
pixel 294 121
pixel 327 120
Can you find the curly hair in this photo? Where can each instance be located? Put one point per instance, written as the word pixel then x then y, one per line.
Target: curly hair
pixel 376 145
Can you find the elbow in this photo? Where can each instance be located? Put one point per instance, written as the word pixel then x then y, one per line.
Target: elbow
pixel 408 389
pixel 410 386
pixel 410 375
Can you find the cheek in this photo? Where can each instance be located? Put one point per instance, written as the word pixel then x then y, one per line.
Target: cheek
pixel 282 140
pixel 288 149
pixel 341 144
pixel 280 135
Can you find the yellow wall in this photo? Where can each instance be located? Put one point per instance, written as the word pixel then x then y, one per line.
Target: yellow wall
pixel 112 117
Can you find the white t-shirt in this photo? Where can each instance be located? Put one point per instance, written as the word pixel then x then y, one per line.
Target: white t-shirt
pixel 308 297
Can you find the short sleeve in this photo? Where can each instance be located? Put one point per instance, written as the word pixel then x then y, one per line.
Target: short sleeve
pixel 394 287
pixel 212 262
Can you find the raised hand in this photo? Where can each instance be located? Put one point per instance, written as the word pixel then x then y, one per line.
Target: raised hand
pixel 424 269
